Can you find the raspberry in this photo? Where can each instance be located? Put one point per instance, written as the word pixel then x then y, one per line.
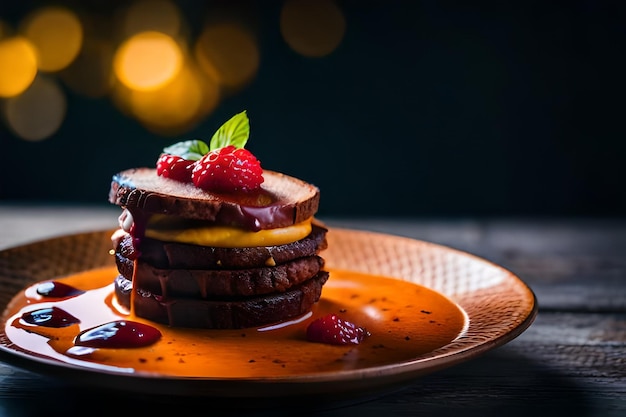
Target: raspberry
pixel 174 167
pixel 228 169
pixel 334 330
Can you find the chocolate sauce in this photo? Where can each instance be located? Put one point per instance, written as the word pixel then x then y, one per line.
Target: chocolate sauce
pixel 138 230
pixel 254 211
pixel 118 334
pixel 57 289
pixel 50 317
pixel 253 218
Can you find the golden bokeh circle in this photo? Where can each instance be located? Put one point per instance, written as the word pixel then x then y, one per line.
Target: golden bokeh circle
pixel 148 60
pixel 18 65
pixel 57 35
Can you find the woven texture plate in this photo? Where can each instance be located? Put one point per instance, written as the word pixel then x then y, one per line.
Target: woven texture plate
pixel 499 306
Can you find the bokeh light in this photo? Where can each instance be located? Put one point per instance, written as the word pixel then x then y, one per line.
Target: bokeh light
pixel 229 54
pixel 145 57
pixel 148 60
pixel 18 65
pixel 57 35
pixel 175 107
pixel 313 28
pixel 37 113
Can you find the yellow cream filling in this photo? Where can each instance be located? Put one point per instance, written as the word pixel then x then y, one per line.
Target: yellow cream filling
pixel 224 236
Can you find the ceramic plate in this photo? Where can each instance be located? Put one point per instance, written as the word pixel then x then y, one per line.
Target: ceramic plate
pixel 495 304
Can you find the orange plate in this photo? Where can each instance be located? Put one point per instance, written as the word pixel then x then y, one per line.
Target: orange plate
pixel 426 306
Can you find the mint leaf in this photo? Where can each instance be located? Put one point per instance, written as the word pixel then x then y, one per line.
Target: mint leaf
pixel 191 150
pixel 234 132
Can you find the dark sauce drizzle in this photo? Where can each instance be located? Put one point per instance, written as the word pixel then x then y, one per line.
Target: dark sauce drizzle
pixel 113 335
pixel 57 289
pixel 118 334
pixel 50 317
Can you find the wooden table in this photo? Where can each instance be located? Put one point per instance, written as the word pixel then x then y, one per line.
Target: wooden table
pixel 570 362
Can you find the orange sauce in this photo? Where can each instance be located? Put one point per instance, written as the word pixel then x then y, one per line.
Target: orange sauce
pixel 405 320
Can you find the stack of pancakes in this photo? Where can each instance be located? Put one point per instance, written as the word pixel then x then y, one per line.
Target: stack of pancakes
pixel 171 279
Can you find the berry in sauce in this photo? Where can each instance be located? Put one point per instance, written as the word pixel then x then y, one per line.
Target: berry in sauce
pixel 332 329
pixel 118 334
pixel 50 317
pixel 57 289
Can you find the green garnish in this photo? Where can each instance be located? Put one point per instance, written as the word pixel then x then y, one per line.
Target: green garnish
pixel 235 131
pixel 192 150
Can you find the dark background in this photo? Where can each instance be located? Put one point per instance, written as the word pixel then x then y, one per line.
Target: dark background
pixel 426 108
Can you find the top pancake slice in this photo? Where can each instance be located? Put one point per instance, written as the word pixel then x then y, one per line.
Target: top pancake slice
pixel 280 202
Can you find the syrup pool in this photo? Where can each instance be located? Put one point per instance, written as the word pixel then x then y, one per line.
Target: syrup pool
pixel 404 320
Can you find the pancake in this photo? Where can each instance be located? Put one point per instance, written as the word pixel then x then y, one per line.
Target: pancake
pixel 232 313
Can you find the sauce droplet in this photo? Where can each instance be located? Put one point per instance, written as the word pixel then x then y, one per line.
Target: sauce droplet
pixel 50 317
pixel 57 289
pixel 118 334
